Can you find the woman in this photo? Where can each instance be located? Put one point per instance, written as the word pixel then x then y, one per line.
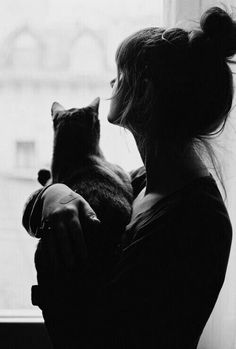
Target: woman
pixel 173 90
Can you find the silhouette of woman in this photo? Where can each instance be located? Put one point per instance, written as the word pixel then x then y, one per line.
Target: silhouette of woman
pixel 173 90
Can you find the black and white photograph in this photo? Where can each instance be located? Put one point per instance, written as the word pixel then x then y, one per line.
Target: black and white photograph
pixel 117 174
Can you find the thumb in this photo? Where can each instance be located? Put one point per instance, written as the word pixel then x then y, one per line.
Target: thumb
pixel 89 214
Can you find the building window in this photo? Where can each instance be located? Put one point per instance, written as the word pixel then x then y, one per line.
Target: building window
pixel 24 51
pixel 25 154
pixel 88 55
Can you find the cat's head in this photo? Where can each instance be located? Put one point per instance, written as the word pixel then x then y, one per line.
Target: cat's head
pixel 76 129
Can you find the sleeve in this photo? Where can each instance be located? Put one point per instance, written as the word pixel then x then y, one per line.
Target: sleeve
pixel 39 203
pixel 32 212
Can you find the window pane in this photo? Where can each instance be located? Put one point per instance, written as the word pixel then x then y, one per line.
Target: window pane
pixel 52 50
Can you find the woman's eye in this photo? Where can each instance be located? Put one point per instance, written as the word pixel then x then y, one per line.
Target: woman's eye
pixel 112 82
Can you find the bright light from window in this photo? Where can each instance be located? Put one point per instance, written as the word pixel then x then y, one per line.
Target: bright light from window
pixel 51 50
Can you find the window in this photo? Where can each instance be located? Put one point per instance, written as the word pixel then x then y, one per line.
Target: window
pixel 50 51
pixel 64 51
pixel 88 54
pixel 25 154
pixel 24 50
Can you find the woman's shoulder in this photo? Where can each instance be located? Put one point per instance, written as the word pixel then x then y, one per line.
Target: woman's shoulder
pixel 201 202
pixel 195 213
pixel 200 207
pixel 31 218
pixel 190 230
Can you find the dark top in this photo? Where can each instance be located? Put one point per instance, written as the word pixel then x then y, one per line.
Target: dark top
pixel 165 283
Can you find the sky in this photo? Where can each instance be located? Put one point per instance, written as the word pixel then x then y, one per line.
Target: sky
pixel 13 11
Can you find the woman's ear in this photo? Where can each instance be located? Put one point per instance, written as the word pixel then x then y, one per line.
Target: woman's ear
pixel 95 104
pixel 56 107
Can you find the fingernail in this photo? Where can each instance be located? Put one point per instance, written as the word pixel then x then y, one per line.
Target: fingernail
pixel 95 219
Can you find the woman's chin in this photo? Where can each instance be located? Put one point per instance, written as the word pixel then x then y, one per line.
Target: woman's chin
pixel 113 119
pixel 109 118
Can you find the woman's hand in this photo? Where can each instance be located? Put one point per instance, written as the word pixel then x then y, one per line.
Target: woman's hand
pixel 64 216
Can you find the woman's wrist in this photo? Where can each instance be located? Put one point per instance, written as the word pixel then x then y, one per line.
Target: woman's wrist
pixel 53 198
pixel 56 193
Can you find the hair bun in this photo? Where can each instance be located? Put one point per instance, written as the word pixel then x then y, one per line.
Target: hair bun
pixel 220 29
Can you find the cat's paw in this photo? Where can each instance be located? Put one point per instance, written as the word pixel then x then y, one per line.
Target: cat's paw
pixel 44 176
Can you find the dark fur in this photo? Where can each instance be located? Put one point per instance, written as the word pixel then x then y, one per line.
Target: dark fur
pixel 79 163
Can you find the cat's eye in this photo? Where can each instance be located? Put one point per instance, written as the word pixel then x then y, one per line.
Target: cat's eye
pixel 112 82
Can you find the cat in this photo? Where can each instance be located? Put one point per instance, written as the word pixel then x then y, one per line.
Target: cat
pixel 79 163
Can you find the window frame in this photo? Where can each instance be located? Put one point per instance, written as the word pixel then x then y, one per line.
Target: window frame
pixel 23 329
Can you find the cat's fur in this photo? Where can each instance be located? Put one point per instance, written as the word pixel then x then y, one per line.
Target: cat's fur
pixel 79 163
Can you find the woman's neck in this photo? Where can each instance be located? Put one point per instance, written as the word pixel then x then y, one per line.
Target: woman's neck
pixel 168 171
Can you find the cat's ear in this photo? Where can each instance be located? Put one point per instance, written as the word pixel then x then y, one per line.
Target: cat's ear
pixel 56 107
pixel 95 104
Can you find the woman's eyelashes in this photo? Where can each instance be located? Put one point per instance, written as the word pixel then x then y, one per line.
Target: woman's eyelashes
pixel 112 82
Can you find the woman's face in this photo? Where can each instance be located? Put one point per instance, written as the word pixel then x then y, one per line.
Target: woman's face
pixel 115 105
